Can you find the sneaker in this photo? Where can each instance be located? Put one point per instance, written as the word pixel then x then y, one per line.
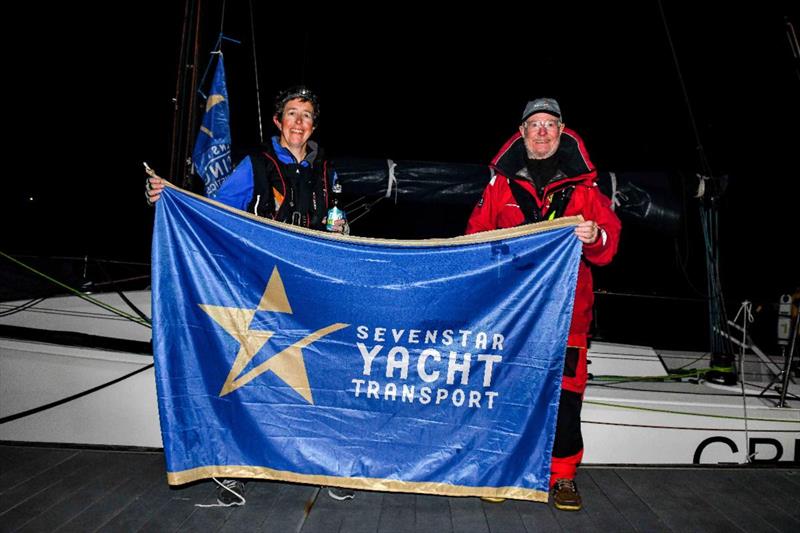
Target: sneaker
pixel 341 494
pixel 492 499
pixel 565 495
pixel 230 492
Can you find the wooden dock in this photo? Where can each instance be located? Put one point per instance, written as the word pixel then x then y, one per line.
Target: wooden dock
pixel 68 489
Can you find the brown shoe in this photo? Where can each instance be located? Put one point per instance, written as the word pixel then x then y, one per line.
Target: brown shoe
pixel 492 499
pixel 565 495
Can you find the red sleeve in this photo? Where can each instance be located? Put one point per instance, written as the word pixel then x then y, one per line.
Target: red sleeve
pixel 484 216
pixel 597 207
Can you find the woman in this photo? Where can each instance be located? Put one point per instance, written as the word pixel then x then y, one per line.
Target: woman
pixel 287 179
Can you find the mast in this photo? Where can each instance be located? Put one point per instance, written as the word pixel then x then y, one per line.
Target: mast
pixel 184 110
pixel 710 191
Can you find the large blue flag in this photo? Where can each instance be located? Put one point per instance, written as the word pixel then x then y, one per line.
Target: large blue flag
pixel 419 366
pixel 212 149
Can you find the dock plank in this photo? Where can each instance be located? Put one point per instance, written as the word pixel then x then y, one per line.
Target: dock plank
pixel 398 513
pixel 432 514
pixel 32 464
pixel 62 489
pixel 177 508
pixel 635 511
pixel 26 496
pixel 719 489
pixel 467 514
pixel 601 511
pixel 666 492
pixel 359 515
pixel 262 497
pixel 144 507
pixel 771 488
pixel 148 469
pixel 503 517
pixel 85 487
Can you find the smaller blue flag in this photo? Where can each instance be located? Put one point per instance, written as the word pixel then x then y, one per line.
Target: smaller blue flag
pixel 212 150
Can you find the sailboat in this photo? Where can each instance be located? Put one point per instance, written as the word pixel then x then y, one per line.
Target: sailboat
pixel 77 369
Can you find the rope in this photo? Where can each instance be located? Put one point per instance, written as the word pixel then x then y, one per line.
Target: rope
pixel 81 295
pixel 124 298
pixel 366 207
pixel 255 68
pixel 696 373
pixel 391 182
pixel 746 311
pixel 29 412
pixel 670 411
pixel 227 485
pixel 701 152
pixel 615 195
pixel 22 307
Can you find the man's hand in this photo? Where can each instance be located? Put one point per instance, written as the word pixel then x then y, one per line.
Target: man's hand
pixel 587 232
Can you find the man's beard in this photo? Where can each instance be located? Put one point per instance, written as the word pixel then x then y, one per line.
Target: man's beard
pixel 532 155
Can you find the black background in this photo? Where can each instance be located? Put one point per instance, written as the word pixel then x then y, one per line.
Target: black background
pixel 89 97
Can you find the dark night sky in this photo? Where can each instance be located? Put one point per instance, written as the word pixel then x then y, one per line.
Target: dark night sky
pixel 92 100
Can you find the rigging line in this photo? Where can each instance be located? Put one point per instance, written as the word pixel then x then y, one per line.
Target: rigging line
pixel 179 80
pixel 121 280
pixel 123 297
pixel 618 387
pixel 81 259
pixel 255 68
pixel 650 426
pixel 705 355
pixel 628 386
pixel 352 210
pixel 649 296
pixel 366 210
pixel 29 412
pixel 217 50
pixel 354 202
pixel 81 295
pixel 190 112
pixel 686 413
pixel 701 152
pixel 683 259
pixel 21 307
pixel 222 22
pixel 791 35
pixel 695 373
pixel 745 309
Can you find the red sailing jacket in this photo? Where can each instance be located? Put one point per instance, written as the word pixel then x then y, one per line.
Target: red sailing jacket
pixel 498 208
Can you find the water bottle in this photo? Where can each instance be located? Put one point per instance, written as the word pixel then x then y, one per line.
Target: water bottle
pixel 334 214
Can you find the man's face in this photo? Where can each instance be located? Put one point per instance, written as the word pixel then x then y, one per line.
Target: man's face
pixel 297 123
pixel 542 133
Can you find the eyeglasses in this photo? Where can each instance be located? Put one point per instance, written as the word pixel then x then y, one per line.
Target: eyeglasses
pixel 546 124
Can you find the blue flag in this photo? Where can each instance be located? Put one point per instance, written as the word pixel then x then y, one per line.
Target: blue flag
pixel 413 366
pixel 212 149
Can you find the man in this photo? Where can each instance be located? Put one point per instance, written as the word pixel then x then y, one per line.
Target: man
pixel 287 180
pixel 541 173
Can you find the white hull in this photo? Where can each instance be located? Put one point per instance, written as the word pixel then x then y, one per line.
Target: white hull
pixel 623 423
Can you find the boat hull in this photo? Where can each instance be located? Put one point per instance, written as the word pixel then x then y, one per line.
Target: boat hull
pixel 628 419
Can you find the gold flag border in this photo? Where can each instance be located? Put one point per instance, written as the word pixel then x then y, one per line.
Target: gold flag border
pixel 359 483
pixel 475 238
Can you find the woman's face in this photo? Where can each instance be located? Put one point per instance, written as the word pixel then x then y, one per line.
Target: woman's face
pixel 297 123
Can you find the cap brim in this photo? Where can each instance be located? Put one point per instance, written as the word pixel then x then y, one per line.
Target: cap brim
pixel 552 113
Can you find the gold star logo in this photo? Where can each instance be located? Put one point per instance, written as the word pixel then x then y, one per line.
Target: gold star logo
pixel 288 364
